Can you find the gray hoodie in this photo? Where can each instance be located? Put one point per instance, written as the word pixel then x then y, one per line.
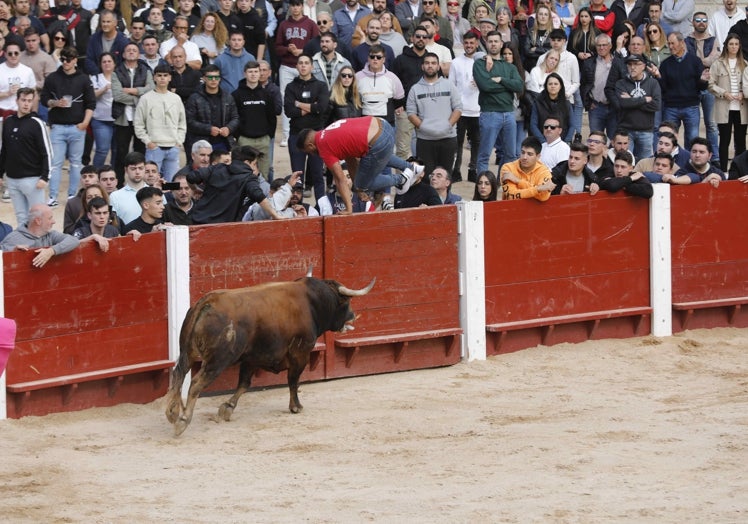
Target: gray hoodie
pixel 60 242
pixel 433 104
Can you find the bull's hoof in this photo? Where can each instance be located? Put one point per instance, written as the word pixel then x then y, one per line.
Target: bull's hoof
pixel 172 413
pixel 296 409
pixel 180 426
pixel 225 411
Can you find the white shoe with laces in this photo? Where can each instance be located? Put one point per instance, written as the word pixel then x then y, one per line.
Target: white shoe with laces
pixel 412 176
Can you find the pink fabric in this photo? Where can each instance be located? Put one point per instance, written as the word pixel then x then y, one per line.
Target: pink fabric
pixel 7 341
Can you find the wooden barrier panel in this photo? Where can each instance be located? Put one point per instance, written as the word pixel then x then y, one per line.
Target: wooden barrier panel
pixel 228 256
pixel 569 269
pixel 709 255
pixel 410 319
pixel 91 327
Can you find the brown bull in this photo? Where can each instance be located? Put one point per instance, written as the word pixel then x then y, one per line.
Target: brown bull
pixel 271 326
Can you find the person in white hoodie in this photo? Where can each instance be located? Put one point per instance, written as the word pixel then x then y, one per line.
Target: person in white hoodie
pixel 568 68
pixel 461 76
pixel 160 123
pixel 382 93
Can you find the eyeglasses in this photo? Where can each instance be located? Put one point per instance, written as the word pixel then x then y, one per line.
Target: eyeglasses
pixel 428 3
pixel 376 57
pixel 61 39
pixel 602 45
pixel 181 27
pixel 420 37
pixel 593 141
pixel 213 77
pixel 652 31
pixel 346 75
pixel 13 53
pixel 322 22
pixel 701 20
pixel 548 126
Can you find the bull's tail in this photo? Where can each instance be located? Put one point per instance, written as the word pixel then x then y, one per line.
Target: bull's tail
pixel 174 404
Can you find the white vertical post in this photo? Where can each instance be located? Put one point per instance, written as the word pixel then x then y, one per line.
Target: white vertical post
pixel 3 398
pixel 178 287
pixel 472 279
pixel 660 264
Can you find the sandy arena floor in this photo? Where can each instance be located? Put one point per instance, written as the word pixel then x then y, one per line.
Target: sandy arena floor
pixel 638 430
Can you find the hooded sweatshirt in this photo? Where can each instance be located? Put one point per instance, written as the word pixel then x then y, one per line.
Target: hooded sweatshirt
pixel 60 242
pixel 635 113
pixel 381 93
pixel 434 103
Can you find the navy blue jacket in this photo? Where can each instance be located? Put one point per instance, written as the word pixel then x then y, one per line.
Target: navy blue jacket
pixel 96 48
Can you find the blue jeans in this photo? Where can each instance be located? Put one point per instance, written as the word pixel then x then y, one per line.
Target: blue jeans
pixel 603 118
pixel 310 165
pixel 493 124
pixel 689 116
pixel 103 132
pixel 67 142
pixel 24 194
pixel 167 160
pixel 370 175
pixel 640 144
pixel 576 113
pixel 707 108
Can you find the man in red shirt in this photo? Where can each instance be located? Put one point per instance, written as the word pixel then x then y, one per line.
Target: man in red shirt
pixel 366 144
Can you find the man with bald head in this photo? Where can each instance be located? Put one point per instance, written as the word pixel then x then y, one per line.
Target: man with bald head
pixel 38 236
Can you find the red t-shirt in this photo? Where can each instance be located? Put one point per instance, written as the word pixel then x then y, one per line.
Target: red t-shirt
pixel 345 138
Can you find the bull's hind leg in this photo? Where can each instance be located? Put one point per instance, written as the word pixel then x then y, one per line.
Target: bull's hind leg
pixel 200 381
pixel 174 404
pixel 245 378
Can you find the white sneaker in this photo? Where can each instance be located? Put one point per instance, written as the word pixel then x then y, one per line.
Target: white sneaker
pixel 284 142
pixel 412 177
pixel 6 196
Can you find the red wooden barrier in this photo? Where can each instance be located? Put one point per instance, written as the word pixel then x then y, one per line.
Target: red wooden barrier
pixel 91 327
pixel 411 318
pixel 413 254
pixel 569 269
pixel 709 255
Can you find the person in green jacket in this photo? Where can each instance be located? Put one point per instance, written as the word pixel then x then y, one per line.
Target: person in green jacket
pixel 497 82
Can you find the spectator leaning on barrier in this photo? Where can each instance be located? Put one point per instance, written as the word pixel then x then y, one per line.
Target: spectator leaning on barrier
pixel 700 167
pixel 573 175
pixel 151 200
pixel 527 177
pixel 626 178
pixel 39 236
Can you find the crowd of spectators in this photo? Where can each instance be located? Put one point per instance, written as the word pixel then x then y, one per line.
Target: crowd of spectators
pixel 120 91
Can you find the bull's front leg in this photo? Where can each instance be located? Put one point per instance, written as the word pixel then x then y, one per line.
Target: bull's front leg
pixel 294 372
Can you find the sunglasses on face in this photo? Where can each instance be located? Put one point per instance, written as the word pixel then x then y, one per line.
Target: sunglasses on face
pixel 653 31
pixel 592 141
pixel 376 57
pixel 13 53
pixel 420 37
pixel 213 77
pixel 60 38
pixel 346 75
pixel 551 127
pixel 701 20
pixel 322 22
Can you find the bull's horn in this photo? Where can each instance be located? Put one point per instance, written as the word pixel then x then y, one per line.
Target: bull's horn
pixel 309 271
pixel 356 292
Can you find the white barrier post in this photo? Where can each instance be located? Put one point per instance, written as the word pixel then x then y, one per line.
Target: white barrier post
pixel 471 265
pixel 178 288
pixel 660 276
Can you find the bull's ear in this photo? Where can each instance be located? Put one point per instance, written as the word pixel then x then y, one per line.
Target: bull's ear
pixel 309 271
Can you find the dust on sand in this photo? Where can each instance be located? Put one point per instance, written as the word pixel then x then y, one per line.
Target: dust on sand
pixel 640 430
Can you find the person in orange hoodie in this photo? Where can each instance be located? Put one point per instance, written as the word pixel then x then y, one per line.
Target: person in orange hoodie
pixel 527 177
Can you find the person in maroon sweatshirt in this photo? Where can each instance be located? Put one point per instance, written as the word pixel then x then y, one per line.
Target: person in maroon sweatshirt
pixel 292 35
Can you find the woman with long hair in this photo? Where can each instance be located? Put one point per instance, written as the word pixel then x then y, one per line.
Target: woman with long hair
pixel 551 102
pixel 655 43
pixel 102 123
pixel 509 35
pixel 211 36
pixel 88 194
pixel 621 37
pixel 522 104
pixel 728 76
pixel 44 13
pixel 486 187
pixel 582 40
pixel 58 39
pixel 537 42
pixel 536 78
pixel 345 102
